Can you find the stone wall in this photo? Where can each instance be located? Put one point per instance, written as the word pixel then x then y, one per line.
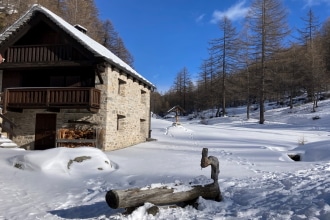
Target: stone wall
pixel 25 123
pixel 127 110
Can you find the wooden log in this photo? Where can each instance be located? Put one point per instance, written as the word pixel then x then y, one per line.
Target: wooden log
pixel 131 198
pixel 159 196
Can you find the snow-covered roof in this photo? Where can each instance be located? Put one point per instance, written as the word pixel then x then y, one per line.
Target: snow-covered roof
pixel 175 108
pixel 90 44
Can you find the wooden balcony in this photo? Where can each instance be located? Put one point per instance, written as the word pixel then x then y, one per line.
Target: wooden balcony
pixel 17 99
pixel 31 55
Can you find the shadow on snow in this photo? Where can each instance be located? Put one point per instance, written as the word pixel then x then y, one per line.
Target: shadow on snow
pixel 86 211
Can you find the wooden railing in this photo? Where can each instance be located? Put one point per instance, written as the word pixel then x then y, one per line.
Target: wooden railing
pixel 41 53
pixel 59 97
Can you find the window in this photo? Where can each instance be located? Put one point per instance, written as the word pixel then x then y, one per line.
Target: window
pixel 143 125
pixel 120 122
pixel 143 96
pixel 121 87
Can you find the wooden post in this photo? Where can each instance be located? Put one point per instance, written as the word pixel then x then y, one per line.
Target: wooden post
pixel 164 195
pixel 213 161
pixel 177 115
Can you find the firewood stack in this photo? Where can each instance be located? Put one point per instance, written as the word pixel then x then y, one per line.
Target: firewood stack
pixel 72 134
pixel 67 133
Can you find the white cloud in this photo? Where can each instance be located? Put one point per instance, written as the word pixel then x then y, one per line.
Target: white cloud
pixel 235 12
pixel 200 18
pixel 309 3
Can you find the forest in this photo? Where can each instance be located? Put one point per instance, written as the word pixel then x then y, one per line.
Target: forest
pixel 265 60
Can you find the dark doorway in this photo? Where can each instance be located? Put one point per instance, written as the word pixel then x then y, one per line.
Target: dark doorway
pixel 45 132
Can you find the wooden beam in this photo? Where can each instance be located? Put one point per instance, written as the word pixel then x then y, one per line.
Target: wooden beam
pixel 100 77
pixel 7 65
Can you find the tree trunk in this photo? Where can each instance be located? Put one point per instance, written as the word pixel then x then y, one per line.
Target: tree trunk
pixel 131 198
pixel 160 196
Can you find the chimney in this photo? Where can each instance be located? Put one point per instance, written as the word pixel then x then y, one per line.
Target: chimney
pixel 80 28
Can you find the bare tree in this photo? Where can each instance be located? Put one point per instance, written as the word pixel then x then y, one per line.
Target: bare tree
pixel 203 87
pixel 111 40
pixel 224 50
pixel 268 25
pixel 85 14
pixel 325 45
pixel 182 87
pixel 314 66
pixel 206 84
pixel 109 35
pixel 11 11
pixel 121 51
pixel 292 79
pixel 325 35
pixel 56 6
pixel 245 58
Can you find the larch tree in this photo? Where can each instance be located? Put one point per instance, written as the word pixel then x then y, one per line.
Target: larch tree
pixel 292 61
pixel 314 66
pixel 211 66
pixel 224 50
pixel 74 12
pixel 109 35
pixel 203 87
pixel 325 35
pixel 12 10
pixel 182 86
pixel 268 26
pixel 206 85
pixel 111 40
pixel 245 59
pixel 325 44
pixel 56 6
pixel 83 13
pixel 122 52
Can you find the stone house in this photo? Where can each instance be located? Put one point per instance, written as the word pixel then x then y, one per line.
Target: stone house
pixel 60 88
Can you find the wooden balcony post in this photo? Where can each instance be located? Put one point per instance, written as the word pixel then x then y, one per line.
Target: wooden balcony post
pixel 4 101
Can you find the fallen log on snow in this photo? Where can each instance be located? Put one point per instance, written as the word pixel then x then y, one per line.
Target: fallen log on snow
pixel 166 195
pixel 159 196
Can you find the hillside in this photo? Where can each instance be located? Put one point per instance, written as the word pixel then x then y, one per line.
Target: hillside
pixel 258 179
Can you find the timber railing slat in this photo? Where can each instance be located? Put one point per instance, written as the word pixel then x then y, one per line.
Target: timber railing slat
pixel 59 97
pixel 39 53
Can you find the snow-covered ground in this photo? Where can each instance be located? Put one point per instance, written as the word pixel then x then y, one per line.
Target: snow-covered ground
pixel 257 178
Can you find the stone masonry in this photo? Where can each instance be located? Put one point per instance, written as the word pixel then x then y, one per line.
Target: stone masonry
pixel 122 121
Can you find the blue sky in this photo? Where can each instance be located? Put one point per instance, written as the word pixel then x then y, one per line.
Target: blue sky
pixel 164 36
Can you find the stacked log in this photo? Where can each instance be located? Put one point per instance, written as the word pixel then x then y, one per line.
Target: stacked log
pixel 77 144
pixel 67 133
pixel 76 134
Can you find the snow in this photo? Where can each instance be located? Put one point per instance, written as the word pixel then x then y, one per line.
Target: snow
pixel 258 180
